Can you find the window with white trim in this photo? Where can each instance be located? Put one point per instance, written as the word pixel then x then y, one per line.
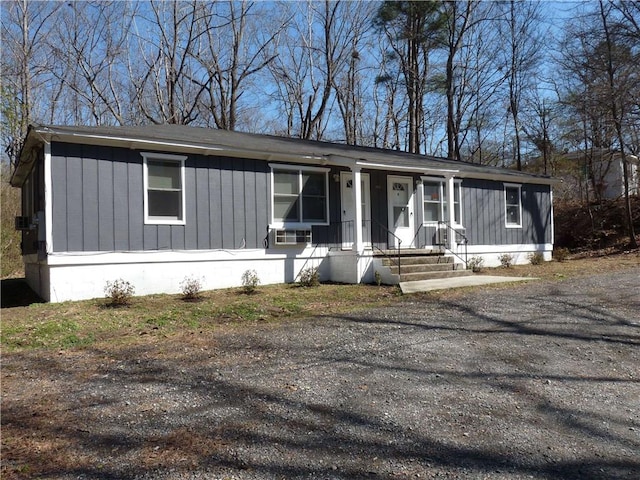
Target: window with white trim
pixel 164 195
pixel 299 195
pixel 513 206
pixel 435 201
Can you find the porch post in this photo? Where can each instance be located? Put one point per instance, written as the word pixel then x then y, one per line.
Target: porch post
pixel 451 242
pixel 358 244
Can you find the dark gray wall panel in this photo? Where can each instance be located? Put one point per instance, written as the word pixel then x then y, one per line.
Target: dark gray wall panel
pixel 215 204
pixel 74 202
pixel 98 205
pixel 201 205
pixel 262 189
pixel 59 197
pixel 239 212
pixel 249 200
pixel 226 203
pixel 90 228
pixel 136 206
pixel 189 236
pixel 106 204
pixel 120 206
pixel 164 237
pixel 484 214
pixel 151 241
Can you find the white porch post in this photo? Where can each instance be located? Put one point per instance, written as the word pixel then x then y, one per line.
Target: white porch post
pixel 451 242
pixel 358 244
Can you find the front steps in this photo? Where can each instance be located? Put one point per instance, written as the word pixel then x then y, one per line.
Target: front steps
pixel 420 265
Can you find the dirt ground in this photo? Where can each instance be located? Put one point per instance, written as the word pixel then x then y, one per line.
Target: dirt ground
pixel 538 380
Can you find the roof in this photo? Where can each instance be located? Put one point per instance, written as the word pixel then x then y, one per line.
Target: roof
pixel 181 138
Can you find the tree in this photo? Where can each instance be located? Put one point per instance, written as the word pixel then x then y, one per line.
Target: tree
pixel 413 30
pixel 522 40
pixel 89 45
pixel 162 69
pixel 620 85
pixel 25 65
pixel 232 53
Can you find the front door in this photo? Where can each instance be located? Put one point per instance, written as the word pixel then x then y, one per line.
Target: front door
pixel 400 199
pixel 348 213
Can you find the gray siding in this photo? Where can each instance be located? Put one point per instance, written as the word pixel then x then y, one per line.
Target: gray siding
pixel 98 205
pixel 98 202
pixel 483 214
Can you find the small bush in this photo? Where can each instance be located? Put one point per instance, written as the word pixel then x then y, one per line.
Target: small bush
pixel 475 264
pixel 377 277
pixel 250 281
pixel 536 258
pixel 506 260
pixel 310 277
pixel 191 287
pixel 119 292
pixel 561 254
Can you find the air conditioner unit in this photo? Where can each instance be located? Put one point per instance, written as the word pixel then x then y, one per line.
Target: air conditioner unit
pixel 23 223
pixel 291 237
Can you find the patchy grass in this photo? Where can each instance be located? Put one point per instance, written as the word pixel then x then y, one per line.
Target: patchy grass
pixel 79 324
pixel 93 322
pixel 575 265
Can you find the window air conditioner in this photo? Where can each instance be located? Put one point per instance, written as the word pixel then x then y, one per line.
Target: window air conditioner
pixel 291 237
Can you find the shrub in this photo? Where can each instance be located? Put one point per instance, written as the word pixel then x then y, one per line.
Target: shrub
pixel 119 292
pixel 536 258
pixel 561 254
pixel 506 260
pixel 377 277
pixel 191 287
pixel 310 277
pixel 475 264
pixel 250 281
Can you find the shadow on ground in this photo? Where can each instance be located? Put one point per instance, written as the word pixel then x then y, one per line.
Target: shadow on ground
pixel 16 293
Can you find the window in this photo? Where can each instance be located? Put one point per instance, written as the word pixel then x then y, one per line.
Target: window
pixel 300 195
pixel 164 189
pixel 513 206
pixel 435 201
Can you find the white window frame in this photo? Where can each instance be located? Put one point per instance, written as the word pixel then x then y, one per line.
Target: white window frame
pixel 300 169
pixel 443 199
pixel 506 216
pixel 148 220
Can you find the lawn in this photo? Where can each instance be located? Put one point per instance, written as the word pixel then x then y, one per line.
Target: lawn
pixel 92 323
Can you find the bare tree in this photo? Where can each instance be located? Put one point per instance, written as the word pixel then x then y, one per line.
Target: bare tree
pixel 412 30
pixel 232 51
pixel 522 40
pixel 305 70
pixel 162 68
pixel 620 86
pixel 351 30
pixel 89 45
pixel 25 65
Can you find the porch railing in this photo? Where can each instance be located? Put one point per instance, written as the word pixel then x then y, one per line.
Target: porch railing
pixel 398 242
pixel 457 234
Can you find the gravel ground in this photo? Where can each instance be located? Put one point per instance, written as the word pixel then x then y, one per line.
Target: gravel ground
pixel 523 381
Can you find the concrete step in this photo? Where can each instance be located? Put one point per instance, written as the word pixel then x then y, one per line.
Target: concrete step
pixel 407 252
pixel 417 260
pixel 411 277
pixel 424 267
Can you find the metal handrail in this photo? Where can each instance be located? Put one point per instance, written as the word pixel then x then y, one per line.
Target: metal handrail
pixel 466 241
pixel 396 237
pixel 416 236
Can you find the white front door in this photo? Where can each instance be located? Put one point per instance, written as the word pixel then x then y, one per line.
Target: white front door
pixel 348 212
pixel 400 204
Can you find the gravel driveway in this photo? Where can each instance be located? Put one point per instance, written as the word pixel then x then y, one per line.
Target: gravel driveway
pixel 538 380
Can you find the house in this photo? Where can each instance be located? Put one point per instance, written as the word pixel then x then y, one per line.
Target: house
pixel 155 204
pixel 600 171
